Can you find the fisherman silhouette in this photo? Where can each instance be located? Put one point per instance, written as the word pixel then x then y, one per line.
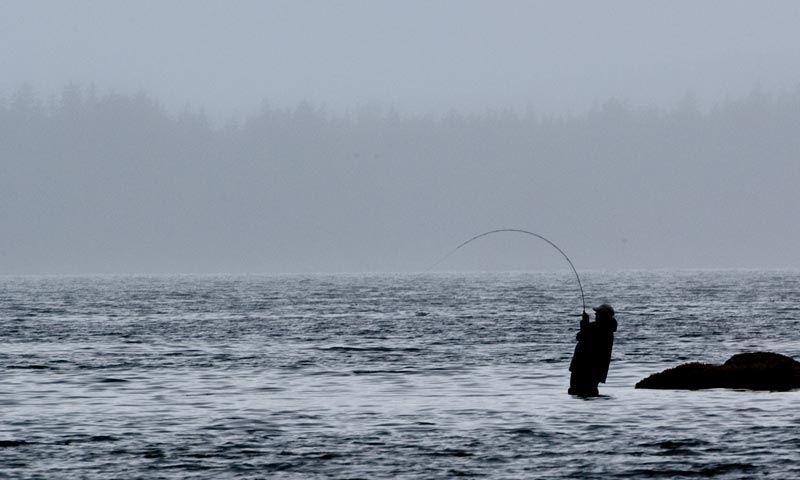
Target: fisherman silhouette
pixel 592 356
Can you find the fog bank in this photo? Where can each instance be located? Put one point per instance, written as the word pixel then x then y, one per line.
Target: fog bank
pixel 95 182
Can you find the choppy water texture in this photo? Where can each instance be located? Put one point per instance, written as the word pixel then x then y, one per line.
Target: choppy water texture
pixel 410 376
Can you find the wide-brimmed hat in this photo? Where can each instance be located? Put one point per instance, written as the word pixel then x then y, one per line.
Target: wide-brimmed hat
pixel 604 309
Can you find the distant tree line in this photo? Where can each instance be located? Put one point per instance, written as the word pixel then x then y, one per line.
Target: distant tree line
pixel 95 182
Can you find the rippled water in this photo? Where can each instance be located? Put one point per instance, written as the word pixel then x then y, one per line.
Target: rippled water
pixel 379 376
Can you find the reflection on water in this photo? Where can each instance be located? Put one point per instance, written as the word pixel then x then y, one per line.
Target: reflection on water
pixel 407 376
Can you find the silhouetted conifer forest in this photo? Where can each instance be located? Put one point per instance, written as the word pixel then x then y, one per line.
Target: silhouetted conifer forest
pixel 116 183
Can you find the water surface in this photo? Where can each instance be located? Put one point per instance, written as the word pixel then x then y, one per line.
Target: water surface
pixel 385 376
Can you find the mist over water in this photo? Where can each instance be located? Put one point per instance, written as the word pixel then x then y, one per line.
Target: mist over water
pixel 270 136
pixel 106 183
pixel 147 146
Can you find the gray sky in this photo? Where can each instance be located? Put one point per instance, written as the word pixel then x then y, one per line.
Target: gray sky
pixel 419 56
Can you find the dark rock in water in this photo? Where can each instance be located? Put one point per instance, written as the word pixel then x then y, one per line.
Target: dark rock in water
pixel 748 371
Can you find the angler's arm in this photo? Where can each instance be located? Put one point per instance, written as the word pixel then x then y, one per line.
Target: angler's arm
pixel 584 326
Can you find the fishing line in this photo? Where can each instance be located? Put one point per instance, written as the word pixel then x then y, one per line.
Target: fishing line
pixel 516 230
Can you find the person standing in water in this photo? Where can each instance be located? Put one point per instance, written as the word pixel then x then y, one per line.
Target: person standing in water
pixel 592 355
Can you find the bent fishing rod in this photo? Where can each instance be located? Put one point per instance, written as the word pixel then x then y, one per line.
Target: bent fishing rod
pixel 516 230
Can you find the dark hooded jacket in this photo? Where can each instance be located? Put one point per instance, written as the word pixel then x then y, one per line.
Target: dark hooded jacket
pixel 593 351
